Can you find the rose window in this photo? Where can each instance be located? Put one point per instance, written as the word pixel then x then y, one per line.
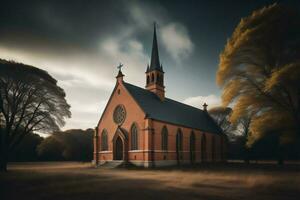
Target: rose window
pixel 119 114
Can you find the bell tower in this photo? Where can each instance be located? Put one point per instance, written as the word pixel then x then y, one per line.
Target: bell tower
pixel 154 72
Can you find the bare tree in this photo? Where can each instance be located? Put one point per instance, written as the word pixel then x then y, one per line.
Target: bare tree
pixel 242 128
pixel 221 115
pixel 30 101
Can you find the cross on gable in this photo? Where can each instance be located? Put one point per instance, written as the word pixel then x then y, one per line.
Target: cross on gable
pixel 120 66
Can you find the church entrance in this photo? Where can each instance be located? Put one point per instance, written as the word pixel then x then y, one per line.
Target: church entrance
pixel 119 149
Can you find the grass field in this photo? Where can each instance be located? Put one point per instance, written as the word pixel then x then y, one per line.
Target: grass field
pixel 74 181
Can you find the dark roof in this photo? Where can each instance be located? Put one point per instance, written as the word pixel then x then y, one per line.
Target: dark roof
pixel 154 64
pixel 172 111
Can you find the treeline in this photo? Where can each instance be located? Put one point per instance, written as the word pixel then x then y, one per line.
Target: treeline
pixel 69 145
pixel 267 148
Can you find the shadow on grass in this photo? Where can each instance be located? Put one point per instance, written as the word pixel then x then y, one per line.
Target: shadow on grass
pixel 208 181
pixel 226 167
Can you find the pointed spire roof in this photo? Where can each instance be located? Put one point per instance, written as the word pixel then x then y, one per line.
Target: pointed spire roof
pixel 155 64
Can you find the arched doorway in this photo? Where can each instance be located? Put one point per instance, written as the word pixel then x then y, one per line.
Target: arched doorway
pixel 203 148
pixel 119 149
pixel 120 145
pixel 192 148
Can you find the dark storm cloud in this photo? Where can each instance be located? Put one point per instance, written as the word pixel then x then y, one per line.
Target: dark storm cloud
pixel 70 24
pixel 81 42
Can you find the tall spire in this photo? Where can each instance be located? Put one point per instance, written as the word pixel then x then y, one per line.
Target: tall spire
pixel 154 72
pixel 155 64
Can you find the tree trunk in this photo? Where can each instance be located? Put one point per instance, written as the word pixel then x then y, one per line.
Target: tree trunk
pixel 3 160
pixel 247 155
pixel 280 155
pixel 3 151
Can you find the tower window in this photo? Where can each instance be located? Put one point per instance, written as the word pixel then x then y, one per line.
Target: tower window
pixel 152 78
pixel 148 79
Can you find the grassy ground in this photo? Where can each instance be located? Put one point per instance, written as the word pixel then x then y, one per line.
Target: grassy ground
pixel 80 181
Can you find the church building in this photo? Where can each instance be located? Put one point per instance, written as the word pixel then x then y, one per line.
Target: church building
pixel 141 126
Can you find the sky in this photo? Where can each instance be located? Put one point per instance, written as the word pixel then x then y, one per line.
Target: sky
pixel 81 43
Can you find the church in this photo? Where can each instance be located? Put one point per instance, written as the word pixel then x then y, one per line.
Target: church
pixel 142 127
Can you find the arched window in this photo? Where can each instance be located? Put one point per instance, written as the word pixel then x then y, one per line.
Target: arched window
pixel 104 142
pixel 203 148
pixel 222 148
pixel 192 147
pixel 148 79
pixel 134 137
pixel 152 78
pixel 213 149
pixel 179 145
pixel 157 78
pixel 164 139
pixel 179 140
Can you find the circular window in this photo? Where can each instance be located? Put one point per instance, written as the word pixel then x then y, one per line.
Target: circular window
pixel 119 114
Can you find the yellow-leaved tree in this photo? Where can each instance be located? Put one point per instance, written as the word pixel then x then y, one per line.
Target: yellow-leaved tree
pixel 259 72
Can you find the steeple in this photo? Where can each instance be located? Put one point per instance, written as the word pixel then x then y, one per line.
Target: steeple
pixel 155 64
pixel 154 72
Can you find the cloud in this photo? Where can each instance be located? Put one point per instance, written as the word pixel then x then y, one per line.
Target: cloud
pixel 85 115
pixel 144 14
pixel 129 52
pixel 197 101
pixel 177 41
pixel 83 56
pixel 88 77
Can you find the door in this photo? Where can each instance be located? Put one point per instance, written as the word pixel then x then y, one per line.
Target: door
pixel 119 149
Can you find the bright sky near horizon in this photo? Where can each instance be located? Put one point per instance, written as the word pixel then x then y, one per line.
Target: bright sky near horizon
pixel 81 43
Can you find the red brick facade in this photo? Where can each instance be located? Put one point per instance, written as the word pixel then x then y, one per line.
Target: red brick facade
pixel 209 147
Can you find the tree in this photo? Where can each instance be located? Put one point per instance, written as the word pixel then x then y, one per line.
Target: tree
pixel 221 116
pixel 26 150
pixel 51 149
pixel 31 101
pixel 242 127
pixel 259 72
pixel 74 144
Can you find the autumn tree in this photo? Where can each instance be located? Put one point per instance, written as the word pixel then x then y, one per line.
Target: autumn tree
pixel 31 101
pixel 259 72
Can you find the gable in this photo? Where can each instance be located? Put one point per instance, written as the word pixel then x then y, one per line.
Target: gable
pixel 134 113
